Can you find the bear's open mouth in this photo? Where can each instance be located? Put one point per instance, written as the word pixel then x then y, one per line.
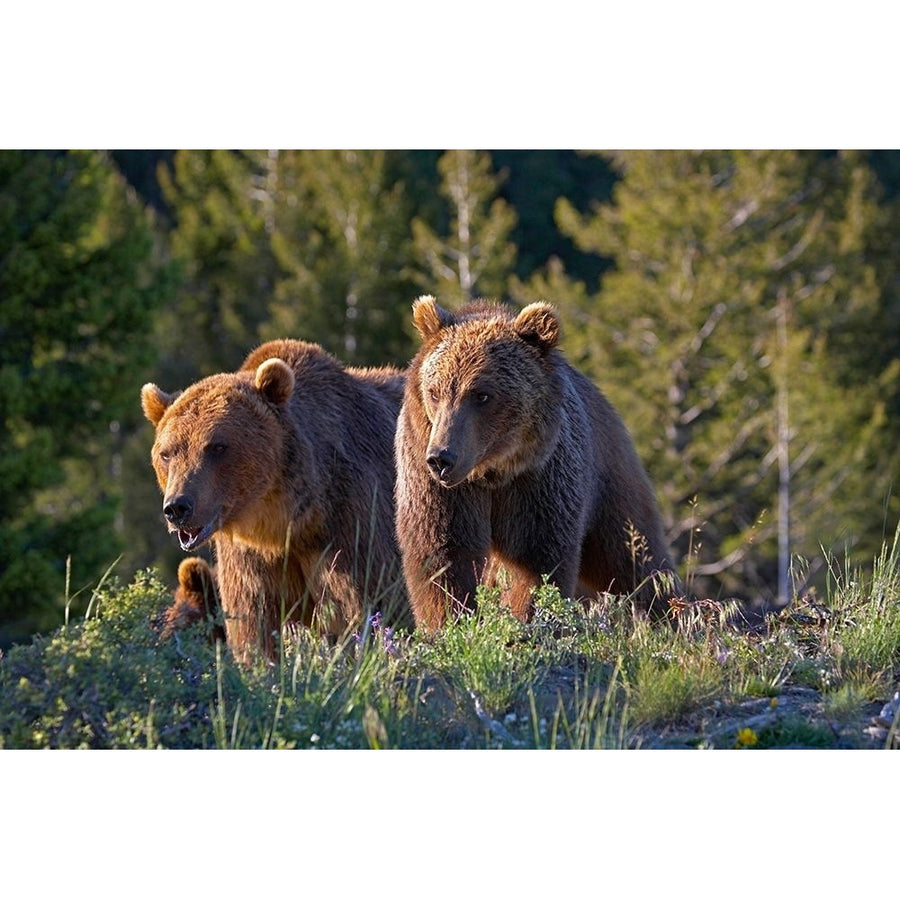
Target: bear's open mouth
pixel 191 538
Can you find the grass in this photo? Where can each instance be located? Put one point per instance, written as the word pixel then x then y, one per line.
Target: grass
pixel 811 676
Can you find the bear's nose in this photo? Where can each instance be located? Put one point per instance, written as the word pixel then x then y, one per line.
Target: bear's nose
pixel 179 510
pixel 441 461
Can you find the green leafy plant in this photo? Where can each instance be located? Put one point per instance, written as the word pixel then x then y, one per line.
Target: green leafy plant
pixel 575 677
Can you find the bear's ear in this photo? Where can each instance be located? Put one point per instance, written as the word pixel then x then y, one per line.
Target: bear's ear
pixel 275 381
pixel 538 325
pixel 429 318
pixel 155 402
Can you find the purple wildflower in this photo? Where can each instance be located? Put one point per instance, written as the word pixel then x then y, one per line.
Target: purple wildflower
pixel 389 643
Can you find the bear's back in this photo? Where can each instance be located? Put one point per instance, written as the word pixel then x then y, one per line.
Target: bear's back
pixel 387 381
pixel 381 389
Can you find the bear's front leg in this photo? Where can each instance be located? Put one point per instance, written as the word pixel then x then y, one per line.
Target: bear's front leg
pixel 443 585
pixel 445 542
pixel 258 595
pixel 533 547
pixel 524 578
pixel 531 542
pixel 519 596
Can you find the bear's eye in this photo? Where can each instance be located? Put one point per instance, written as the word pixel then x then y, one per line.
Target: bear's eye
pixel 433 394
pixel 165 456
pixel 217 449
pixel 481 397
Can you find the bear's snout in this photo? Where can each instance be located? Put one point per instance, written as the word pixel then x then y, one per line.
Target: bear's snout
pixel 179 510
pixel 441 462
pixel 180 515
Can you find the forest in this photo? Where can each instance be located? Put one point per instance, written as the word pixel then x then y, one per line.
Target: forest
pixel 741 309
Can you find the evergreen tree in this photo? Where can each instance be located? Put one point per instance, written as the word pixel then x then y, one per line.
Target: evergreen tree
pixel 475 258
pixel 307 244
pixel 342 242
pixel 223 204
pixel 78 287
pixel 732 335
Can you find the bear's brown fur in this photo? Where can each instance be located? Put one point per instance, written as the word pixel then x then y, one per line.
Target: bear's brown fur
pixel 287 466
pixel 195 600
pixel 506 451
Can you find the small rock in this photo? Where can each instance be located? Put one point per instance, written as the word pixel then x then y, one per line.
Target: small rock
pixel 889 710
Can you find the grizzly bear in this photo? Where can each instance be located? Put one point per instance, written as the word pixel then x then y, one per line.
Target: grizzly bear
pixel 505 452
pixel 196 600
pixel 287 467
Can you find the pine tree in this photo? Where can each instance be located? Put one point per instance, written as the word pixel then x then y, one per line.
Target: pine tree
pixel 342 242
pixel 78 287
pixel 223 203
pixel 732 336
pixel 475 257
pixel 307 244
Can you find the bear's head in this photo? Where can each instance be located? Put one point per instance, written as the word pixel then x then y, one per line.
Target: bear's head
pixel 487 381
pixel 195 599
pixel 218 452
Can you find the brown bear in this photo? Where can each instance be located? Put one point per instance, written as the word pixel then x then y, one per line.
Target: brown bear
pixel 504 451
pixel 196 600
pixel 287 466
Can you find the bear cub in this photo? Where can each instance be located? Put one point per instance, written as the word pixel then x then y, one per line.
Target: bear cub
pixel 196 599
